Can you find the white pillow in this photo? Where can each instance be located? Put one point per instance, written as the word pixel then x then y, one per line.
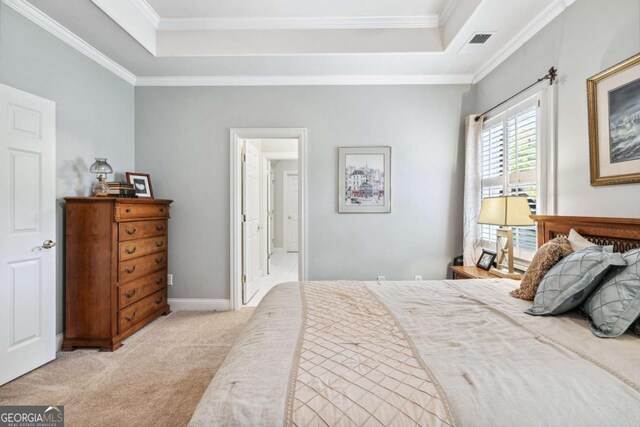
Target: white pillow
pixel 578 242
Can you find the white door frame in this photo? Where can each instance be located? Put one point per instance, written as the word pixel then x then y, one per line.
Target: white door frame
pixel 237 135
pixel 285 200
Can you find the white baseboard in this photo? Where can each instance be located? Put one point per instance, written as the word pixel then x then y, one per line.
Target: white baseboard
pixel 278 250
pixel 59 339
pixel 198 304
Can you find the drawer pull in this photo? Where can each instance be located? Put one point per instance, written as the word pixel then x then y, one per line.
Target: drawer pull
pixel 159 281
pixel 128 210
pixel 130 231
pixel 161 209
pixel 158 300
pixel 130 294
pixel 130 251
pixel 160 243
pixel 159 227
pixel 133 316
pixel 159 260
pixel 130 270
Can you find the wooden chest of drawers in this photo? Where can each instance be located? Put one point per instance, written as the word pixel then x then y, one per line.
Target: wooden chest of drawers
pixel 116 269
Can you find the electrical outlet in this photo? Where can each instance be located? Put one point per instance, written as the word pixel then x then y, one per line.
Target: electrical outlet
pixel 170 279
pixel 381 278
pixel 418 277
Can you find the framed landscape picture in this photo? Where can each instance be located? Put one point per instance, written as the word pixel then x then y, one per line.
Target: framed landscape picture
pixel 364 179
pixel 614 124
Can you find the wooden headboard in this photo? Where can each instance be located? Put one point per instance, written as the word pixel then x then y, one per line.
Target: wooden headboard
pixel 622 233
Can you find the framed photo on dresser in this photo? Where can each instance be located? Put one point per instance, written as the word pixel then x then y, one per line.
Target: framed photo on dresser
pixel 142 184
pixel 614 123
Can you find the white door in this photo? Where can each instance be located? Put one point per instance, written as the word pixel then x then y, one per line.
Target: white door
pixel 270 184
pixel 27 220
pixel 251 212
pixel 264 217
pixel 291 212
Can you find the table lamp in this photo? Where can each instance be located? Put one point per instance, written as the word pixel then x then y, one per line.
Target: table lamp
pixel 505 212
pixel 102 169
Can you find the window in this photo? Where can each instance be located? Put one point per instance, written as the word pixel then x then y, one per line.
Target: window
pixel 514 161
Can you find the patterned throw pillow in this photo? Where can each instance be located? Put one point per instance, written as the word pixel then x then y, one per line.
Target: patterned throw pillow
pixel 546 257
pixel 570 282
pixel 615 305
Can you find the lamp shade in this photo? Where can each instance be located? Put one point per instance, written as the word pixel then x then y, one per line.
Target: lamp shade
pixel 100 166
pixel 508 211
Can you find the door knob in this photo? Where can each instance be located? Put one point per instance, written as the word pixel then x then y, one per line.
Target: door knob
pixel 47 244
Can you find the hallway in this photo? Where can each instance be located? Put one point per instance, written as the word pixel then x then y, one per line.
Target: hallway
pixel 284 268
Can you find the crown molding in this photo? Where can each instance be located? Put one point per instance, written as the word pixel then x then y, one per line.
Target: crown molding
pixel 448 8
pixel 148 12
pixel 290 23
pixel 47 23
pixel 335 80
pixel 299 23
pixel 534 26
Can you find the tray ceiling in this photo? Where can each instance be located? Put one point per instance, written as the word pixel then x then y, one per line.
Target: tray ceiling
pixel 257 42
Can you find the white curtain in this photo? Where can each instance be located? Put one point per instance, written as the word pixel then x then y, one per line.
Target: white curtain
pixel 472 189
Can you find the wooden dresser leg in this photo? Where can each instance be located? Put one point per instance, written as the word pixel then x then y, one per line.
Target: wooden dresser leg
pixel 110 348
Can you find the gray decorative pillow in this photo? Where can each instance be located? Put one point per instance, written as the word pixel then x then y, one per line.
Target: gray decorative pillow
pixel 568 284
pixel 615 305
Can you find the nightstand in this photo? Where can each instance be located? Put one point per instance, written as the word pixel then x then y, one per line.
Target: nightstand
pixel 472 272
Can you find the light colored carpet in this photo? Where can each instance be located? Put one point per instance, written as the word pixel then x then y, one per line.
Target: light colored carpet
pixel 157 378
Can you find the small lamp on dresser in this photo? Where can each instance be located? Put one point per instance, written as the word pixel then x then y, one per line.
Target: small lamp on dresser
pixel 101 168
pixel 505 212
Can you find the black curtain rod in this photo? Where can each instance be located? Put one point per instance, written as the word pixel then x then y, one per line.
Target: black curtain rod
pixel 551 76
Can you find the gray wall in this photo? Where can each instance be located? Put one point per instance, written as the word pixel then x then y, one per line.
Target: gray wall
pixel 94 110
pixel 278 200
pixel 588 37
pixel 182 139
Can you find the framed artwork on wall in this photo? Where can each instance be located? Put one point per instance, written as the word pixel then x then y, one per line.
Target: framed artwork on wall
pixel 364 179
pixel 141 183
pixel 613 98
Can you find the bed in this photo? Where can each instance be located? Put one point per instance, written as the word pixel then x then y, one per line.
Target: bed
pixel 432 353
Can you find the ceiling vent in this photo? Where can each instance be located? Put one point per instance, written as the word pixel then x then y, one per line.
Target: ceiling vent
pixel 479 38
pixel 475 42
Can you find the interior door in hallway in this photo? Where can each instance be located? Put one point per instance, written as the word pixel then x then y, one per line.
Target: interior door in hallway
pixel 270 193
pixel 291 211
pixel 264 217
pixel 251 220
pixel 27 227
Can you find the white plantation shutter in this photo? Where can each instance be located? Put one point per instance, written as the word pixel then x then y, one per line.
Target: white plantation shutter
pixel 510 167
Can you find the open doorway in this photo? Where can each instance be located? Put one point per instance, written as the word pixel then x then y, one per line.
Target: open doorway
pixel 267 218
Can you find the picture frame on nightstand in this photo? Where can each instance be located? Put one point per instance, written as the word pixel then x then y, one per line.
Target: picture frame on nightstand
pixel 486 260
